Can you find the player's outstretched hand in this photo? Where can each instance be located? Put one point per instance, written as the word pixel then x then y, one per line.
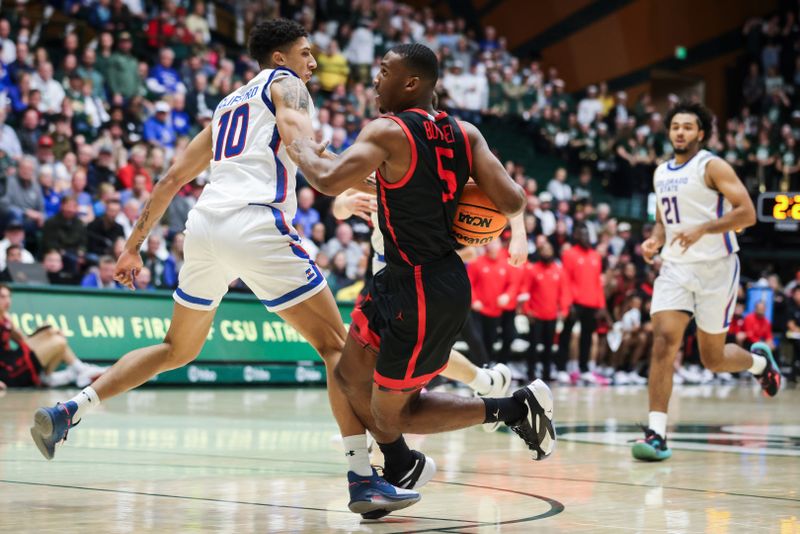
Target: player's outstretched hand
pixel 128 265
pixel 650 248
pixel 689 237
pixel 301 143
pixel 361 204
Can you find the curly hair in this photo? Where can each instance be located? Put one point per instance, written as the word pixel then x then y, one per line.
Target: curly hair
pixel 271 35
pixel 705 119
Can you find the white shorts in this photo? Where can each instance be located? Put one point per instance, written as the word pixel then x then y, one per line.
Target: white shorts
pixel 255 244
pixel 705 289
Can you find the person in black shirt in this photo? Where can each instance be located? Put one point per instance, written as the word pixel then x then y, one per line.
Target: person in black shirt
pixel 418 304
pixel 104 231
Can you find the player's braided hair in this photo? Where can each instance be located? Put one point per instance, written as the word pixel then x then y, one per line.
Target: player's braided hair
pixel 420 59
pixel 705 119
pixel 271 35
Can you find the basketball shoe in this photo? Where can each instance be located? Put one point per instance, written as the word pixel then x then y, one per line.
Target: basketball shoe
pixel 51 425
pixel 421 473
pixel 653 448
pixel 373 497
pixel 536 428
pixel 770 379
pixel 501 383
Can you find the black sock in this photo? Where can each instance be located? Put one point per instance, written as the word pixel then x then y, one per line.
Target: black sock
pixel 507 410
pixel 397 456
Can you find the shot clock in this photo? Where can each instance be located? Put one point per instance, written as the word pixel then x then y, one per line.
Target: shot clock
pixel 779 207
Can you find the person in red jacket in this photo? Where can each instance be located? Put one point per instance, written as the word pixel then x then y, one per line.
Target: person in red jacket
pixel 547 301
pixel 489 277
pixel 757 327
pixel 511 299
pixel 583 268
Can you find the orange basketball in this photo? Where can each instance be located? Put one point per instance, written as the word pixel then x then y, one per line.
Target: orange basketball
pixel 477 220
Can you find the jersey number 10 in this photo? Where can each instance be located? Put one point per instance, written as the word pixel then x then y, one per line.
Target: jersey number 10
pixel 671 204
pixel 232 133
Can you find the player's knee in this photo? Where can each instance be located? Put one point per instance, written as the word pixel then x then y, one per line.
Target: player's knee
pixel 665 344
pixel 340 375
pixel 330 349
pixel 177 356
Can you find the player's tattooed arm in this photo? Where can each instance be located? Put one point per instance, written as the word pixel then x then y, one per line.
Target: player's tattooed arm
pixel 186 167
pixel 293 93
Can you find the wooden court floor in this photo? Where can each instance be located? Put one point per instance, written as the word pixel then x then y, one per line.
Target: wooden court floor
pixel 265 460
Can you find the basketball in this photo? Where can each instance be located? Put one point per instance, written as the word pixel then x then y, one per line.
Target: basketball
pixel 477 220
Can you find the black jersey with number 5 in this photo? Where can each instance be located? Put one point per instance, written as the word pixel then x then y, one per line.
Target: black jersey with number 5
pixel 416 213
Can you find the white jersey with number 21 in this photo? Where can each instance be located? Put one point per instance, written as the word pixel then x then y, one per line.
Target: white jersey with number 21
pixel 685 202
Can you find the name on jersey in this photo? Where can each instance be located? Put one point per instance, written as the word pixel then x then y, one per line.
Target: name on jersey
pixel 671 185
pixel 445 133
pixel 235 99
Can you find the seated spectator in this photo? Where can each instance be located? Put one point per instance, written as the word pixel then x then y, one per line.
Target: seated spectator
pixel 332 67
pixel 54 267
pixel 343 240
pixel 163 79
pixel 158 129
pixel 77 190
pixel 757 327
pixel 35 359
pixel 143 280
pixel 52 92
pixel 30 131
pixel 102 276
pixel 105 230
pixel 9 142
pixel 66 233
pixel 127 219
pixel 558 186
pixel 13 255
pixel 51 198
pixel 25 195
pixel 306 215
pixel 338 278
pixel 736 333
pixel 14 235
pixel 182 203
pixel 162 269
pixel 138 191
pixel 135 166
pixel 176 251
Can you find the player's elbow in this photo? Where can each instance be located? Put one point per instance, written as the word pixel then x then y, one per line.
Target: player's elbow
pixel 327 184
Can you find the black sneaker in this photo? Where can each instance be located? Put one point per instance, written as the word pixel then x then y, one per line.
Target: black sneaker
pixel 420 473
pixel 770 379
pixel 536 429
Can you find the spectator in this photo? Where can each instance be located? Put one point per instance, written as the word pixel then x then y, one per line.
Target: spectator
pixel 102 276
pixel 558 186
pixel 757 327
pixel 88 71
pixel 127 219
pixel 488 275
pixel 590 107
pixel 343 240
pixel 123 70
pixel 332 68
pixel 14 235
pixel 163 272
pixel 105 230
pixel 158 129
pixel 197 24
pixel 164 79
pixel 337 277
pixel 144 280
pixel 135 166
pixel 66 233
pixel 178 210
pixel 52 200
pixel 544 213
pixel 24 194
pixel 54 267
pixel 51 91
pixel 306 215
pixel 29 131
pixel 9 142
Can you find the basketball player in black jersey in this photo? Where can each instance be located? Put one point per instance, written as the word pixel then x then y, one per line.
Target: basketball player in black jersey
pixel 420 301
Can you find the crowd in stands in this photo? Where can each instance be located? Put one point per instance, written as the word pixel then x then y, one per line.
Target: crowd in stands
pixel 91 118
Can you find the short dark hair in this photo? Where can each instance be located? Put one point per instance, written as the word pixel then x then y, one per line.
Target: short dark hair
pixel 705 119
pixel 271 35
pixel 420 59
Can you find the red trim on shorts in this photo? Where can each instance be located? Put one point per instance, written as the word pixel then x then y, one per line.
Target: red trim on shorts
pixel 466 144
pixel 361 332
pixel 412 165
pixel 412 364
pixel 387 216
pixel 26 355
pixel 405 386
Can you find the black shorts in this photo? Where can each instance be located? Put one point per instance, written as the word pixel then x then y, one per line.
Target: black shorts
pixel 411 317
pixel 20 368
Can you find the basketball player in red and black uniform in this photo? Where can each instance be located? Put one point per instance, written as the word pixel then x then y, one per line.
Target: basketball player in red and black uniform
pixel 421 300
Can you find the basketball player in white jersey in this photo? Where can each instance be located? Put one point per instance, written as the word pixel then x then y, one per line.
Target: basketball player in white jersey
pixel 239 229
pixel 701 203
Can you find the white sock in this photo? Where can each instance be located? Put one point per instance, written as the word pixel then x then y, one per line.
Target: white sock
pixel 759 364
pixel 355 448
pixel 482 383
pixel 658 423
pixel 77 366
pixel 86 400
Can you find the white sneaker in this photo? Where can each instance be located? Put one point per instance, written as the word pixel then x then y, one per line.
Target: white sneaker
pixel 688 376
pixel 501 384
pixel 706 377
pixel 563 378
pixel 678 379
pixel 590 378
pixel 636 378
pixel 621 378
pixel 59 378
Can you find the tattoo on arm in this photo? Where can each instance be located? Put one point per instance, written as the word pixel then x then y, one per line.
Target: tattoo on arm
pixel 293 93
pixel 142 225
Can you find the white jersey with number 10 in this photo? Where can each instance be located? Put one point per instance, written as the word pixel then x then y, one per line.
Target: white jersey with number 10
pixel 685 202
pixel 250 164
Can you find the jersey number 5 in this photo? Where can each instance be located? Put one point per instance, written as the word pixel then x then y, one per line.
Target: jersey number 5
pixel 446 175
pixel 232 133
pixel 670 204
